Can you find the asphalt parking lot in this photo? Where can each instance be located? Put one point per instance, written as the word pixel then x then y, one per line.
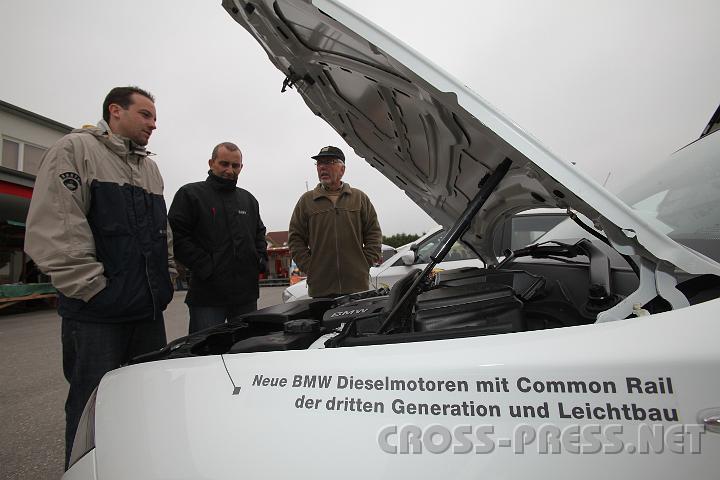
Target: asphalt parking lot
pixel 33 389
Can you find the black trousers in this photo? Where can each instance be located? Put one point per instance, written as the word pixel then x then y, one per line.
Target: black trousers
pixel 206 317
pixel 90 350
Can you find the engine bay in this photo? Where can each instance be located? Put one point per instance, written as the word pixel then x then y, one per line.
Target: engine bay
pixel 530 293
pixel 464 302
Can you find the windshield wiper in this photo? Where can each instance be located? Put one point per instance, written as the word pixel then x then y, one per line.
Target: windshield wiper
pixel 542 250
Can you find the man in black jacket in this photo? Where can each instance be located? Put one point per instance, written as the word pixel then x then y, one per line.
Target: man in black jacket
pixel 219 236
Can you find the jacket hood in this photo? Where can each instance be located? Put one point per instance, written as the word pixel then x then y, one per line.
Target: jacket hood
pixel 120 145
pixel 429 134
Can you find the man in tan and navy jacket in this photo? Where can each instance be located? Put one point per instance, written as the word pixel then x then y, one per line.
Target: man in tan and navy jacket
pixel 98 227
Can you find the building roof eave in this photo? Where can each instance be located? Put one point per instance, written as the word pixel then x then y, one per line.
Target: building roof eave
pixel 17 177
pixel 21 112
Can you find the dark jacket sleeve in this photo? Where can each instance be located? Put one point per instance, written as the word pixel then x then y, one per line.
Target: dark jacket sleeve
pixel 183 220
pixel 260 241
pixel 298 237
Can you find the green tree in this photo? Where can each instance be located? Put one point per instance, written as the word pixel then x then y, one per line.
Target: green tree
pixel 399 239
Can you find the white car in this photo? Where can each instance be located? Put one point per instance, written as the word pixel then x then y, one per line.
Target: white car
pixel 592 359
pixel 519 231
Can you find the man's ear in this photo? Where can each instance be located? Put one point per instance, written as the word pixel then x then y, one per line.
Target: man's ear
pixel 210 162
pixel 114 110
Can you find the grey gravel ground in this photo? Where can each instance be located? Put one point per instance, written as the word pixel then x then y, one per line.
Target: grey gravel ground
pixel 33 389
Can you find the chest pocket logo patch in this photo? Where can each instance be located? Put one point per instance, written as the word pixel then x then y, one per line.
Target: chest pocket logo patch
pixel 71 180
pixel 242 212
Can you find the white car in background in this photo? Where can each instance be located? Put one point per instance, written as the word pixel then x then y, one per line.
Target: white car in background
pixel 520 230
pixel 397 265
pixel 593 358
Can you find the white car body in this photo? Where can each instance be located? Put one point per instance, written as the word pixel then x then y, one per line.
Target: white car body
pixel 629 390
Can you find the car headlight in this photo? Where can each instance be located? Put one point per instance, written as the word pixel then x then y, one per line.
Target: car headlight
pixel 85 434
pixel 286 296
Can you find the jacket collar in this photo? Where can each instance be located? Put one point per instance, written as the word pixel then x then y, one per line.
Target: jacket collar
pixel 119 145
pixel 319 191
pixel 220 183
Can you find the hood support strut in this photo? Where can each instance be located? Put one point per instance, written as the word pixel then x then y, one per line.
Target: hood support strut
pixel 487 186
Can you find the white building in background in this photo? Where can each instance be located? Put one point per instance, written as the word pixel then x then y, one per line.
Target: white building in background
pixel 24 138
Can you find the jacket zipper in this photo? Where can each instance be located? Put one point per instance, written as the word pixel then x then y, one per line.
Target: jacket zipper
pixel 147 269
pixel 152 294
pixel 337 250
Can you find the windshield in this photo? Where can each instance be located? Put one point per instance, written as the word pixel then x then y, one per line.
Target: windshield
pixel 682 197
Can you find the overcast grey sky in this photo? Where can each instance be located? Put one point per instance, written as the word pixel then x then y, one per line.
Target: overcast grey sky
pixel 614 85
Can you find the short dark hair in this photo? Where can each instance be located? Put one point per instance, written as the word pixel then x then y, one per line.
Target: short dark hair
pixel 122 96
pixel 229 146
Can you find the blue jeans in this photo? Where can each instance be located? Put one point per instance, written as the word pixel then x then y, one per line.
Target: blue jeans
pixel 206 317
pixel 90 350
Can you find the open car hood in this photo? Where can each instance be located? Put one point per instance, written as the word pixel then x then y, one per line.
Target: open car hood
pixel 432 136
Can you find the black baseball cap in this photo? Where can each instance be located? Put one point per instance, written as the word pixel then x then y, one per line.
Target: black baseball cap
pixel 330 151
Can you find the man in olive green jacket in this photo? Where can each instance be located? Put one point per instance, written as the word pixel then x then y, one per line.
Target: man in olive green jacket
pixel 334 232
